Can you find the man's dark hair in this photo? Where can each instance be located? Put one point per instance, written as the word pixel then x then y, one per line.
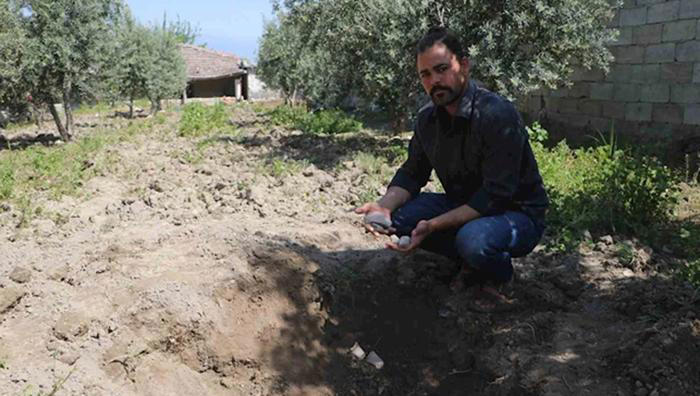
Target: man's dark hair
pixel 440 35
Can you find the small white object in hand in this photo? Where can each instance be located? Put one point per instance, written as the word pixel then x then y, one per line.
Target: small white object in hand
pixel 357 351
pixel 404 241
pixel 394 238
pixel 375 360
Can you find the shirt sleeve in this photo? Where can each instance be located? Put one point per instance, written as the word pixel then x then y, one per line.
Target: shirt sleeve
pixel 503 143
pixel 413 175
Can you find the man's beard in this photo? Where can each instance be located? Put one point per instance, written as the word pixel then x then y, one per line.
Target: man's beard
pixel 449 96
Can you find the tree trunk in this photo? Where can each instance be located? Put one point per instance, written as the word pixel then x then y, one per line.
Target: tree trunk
pixel 67 109
pixel 59 124
pixel 184 96
pixel 155 106
pixel 131 106
pixel 36 112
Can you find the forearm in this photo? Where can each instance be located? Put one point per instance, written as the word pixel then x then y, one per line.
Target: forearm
pixel 455 218
pixel 394 198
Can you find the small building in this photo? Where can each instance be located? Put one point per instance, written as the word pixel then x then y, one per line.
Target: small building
pixel 213 73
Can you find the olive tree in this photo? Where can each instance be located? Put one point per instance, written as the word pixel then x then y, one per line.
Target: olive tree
pixel 516 46
pixel 66 42
pixel 13 48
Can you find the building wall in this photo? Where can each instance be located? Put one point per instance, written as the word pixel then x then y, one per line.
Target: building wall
pixel 652 91
pixel 257 90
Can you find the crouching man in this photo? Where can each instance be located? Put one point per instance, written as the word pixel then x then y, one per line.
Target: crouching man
pixel 494 203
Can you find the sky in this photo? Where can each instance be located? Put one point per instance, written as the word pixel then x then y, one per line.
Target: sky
pixel 226 25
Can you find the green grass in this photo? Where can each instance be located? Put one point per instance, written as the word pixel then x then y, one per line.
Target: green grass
pixel 280 167
pixel 323 122
pixel 603 189
pixel 97 108
pixel 59 170
pixel 200 120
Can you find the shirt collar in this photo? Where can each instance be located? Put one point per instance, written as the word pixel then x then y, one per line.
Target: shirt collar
pixel 464 109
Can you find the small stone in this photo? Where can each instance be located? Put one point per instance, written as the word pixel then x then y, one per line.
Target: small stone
pixel 69 326
pixel 378 220
pixel 641 392
pixel 394 239
pixel 607 239
pixel 59 274
pixel 357 351
pixel 21 275
pixel 404 241
pixel 587 235
pixel 375 360
pixel 654 393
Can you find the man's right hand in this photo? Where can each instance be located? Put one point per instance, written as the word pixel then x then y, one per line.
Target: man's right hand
pixel 374 209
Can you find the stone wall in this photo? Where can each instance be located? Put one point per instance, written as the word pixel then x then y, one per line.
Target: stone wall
pixel 652 90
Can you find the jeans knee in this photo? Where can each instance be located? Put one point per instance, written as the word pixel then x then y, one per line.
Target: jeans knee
pixel 473 248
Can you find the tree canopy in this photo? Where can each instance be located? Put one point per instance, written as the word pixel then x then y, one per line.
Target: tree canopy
pixel 365 48
pixel 68 51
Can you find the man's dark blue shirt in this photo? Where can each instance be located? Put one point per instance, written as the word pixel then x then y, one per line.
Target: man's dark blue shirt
pixel 482 156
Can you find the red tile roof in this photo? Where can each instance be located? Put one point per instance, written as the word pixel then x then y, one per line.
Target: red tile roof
pixel 206 64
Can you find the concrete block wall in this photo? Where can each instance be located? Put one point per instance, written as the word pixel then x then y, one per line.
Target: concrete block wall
pixel 653 87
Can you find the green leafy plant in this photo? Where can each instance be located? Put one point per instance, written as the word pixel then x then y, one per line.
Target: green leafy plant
pixel 326 122
pixel 199 120
pixel 602 189
pixel 333 50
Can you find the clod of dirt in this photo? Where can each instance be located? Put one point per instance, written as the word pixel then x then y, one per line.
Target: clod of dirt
pixel 70 326
pixel 375 360
pixel 9 297
pixel 21 275
pixel 404 241
pixel 60 273
pixel 357 351
pixel 69 358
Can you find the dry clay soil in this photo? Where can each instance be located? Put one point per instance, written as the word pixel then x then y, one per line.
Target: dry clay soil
pixel 176 277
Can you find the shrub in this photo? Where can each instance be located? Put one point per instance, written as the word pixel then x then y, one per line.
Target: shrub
pixel 327 122
pixel 603 189
pixel 198 119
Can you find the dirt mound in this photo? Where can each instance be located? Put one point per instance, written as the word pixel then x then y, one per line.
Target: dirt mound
pixel 239 269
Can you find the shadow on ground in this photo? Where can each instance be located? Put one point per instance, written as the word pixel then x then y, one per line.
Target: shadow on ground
pixel 22 142
pixel 577 327
pixel 328 151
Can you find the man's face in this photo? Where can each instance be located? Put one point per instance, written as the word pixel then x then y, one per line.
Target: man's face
pixel 442 74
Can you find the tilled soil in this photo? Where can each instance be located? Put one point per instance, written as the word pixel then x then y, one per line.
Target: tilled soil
pixel 218 277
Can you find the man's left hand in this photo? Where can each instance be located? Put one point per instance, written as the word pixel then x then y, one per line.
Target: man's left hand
pixel 419 233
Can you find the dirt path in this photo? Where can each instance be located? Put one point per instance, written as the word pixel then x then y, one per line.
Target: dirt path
pixel 221 276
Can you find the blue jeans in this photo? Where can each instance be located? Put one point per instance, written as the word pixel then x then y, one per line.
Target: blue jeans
pixel 486 244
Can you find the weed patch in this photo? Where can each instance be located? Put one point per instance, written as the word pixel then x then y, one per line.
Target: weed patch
pixel 200 120
pixel 603 190
pixel 323 122
pixel 278 167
